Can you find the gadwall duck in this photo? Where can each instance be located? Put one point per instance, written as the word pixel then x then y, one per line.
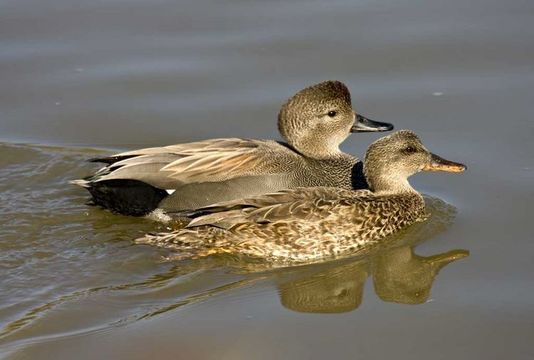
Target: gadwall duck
pixel 314 122
pixel 309 224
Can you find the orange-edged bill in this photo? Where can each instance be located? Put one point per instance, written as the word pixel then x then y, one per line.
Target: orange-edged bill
pixel 438 163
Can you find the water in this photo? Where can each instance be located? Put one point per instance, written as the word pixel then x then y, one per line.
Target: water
pixel 88 77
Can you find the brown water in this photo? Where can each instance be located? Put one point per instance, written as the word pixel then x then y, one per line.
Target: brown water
pixel 87 76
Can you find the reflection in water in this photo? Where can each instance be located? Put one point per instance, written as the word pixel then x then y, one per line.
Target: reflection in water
pixel 403 277
pixel 399 275
pixel 333 291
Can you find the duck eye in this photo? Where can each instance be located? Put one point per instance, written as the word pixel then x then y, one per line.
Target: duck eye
pixel 410 150
pixel 332 113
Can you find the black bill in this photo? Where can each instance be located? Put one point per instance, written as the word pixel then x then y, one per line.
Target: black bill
pixel 363 124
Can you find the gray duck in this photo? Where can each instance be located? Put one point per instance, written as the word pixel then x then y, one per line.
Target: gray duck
pixel 314 122
pixel 308 224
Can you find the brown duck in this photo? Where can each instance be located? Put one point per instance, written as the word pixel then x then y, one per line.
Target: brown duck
pixel 309 224
pixel 314 122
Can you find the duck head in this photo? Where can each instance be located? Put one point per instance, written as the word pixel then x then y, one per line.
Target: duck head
pixel 401 276
pixel 390 160
pixel 317 119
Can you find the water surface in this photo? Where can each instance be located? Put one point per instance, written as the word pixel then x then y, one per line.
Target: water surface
pixel 84 78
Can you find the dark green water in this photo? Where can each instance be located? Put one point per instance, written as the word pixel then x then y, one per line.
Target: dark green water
pixel 84 77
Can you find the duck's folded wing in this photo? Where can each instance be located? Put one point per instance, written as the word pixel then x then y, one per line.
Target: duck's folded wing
pixel 367 214
pixel 298 204
pixel 204 161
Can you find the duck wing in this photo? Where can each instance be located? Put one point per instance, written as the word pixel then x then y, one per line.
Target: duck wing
pixel 215 160
pixel 368 215
pixel 298 204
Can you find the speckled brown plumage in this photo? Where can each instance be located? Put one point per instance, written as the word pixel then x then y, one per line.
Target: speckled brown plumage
pixel 299 231
pixel 308 224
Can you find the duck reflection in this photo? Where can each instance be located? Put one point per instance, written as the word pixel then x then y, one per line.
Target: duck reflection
pixel 335 290
pixel 399 275
pixel 404 277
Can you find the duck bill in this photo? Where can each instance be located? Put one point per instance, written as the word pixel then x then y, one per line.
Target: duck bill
pixel 363 124
pixel 439 261
pixel 438 163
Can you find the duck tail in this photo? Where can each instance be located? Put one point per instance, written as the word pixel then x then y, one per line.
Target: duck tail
pixel 81 182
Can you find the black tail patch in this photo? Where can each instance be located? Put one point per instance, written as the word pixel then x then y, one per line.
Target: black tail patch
pixel 126 197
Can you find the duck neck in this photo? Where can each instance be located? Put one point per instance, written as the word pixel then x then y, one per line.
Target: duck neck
pixel 389 184
pixel 315 153
pixel 317 147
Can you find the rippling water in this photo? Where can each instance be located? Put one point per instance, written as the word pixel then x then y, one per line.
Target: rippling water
pixel 85 77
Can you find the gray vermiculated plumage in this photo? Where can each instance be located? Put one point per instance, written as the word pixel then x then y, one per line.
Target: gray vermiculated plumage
pixel 201 173
pixel 308 224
